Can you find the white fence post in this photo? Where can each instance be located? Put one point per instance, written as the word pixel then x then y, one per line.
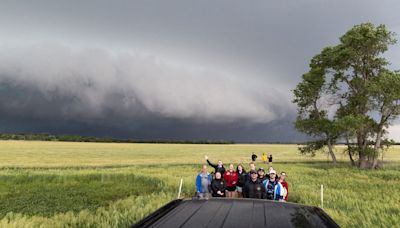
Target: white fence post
pixel 180 189
pixel 322 196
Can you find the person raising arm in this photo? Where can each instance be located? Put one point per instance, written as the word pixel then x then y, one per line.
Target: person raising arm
pixel 219 167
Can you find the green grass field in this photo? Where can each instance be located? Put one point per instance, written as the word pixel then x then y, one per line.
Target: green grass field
pixel 60 184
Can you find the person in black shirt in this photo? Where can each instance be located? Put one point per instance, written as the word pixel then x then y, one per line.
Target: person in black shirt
pixel 270 160
pixel 218 186
pixel 219 167
pixel 253 157
pixel 254 188
pixel 241 180
pixel 261 174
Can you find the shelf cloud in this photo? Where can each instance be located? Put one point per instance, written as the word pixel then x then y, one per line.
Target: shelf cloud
pixel 91 82
pixel 167 69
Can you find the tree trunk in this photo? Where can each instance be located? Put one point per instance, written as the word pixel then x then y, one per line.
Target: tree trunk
pixel 351 158
pixel 362 161
pixel 349 150
pixel 377 147
pixel 330 150
pixel 362 142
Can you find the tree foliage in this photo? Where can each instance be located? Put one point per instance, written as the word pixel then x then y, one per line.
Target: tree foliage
pixel 352 83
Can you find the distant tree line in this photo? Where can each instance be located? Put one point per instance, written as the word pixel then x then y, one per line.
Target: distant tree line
pixel 79 138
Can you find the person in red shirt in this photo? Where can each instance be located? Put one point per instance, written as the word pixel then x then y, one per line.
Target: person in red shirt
pixel 285 185
pixel 231 179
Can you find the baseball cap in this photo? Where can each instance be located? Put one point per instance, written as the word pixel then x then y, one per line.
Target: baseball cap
pixel 272 171
pixel 253 171
pixel 261 169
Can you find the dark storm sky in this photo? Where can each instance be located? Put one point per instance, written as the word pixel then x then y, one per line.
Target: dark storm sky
pixel 168 69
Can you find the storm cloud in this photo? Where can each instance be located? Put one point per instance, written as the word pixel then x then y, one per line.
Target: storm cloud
pixel 92 81
pixel 167 69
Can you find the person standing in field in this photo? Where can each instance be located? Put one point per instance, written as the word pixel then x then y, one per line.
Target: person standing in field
pixel 241 180
pixel 219 167
pixel 274 189
pixel 253 157
pixel 285 185
pixel 218 186
pixel 231 178
pixel 264 158
pixel 261 174
pixel 254 188
pixel 203 183
pixel 252 166
pixel 269 170
pixel 270 160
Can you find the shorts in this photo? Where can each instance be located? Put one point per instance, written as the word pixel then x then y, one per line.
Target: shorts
pixel 231 188
pixel 239 189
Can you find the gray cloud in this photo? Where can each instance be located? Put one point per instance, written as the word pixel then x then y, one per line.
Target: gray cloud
pixel 95 80
pixel 167 69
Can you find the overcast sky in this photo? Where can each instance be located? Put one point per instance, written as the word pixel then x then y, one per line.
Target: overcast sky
pixel 168 69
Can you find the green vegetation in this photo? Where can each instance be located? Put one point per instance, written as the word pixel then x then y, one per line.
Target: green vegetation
pixel 52 192
pixel 350 95
pixel 60 184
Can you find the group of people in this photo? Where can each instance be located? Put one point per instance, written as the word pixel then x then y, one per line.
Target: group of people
pixel 237 183
pixel 263 158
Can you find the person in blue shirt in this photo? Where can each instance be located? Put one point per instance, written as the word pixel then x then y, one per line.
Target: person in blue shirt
pixel 274 189
pixel 203 183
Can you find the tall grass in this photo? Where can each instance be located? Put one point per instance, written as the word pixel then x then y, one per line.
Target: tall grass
pixel 33 193
pixel 120 194
pixel 121 213
pixel 30 154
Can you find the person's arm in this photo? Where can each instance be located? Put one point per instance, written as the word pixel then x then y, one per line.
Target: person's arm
pixel 213 188
pixel 235 179
pixel 209 182
pixel 279 192
pixel 225 177
pixel 246 190
pixel 287 191
pixel 283 191
pixel 198 183
pixel 246 177
pixel 223 189
pixel 264 191
pixel 211 164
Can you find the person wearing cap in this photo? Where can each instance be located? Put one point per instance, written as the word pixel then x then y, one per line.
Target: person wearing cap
pixel 219 167
pixel 203 183
pixel 254 188
pixel 285 185
pixel 269 170
pixel 218 186
pixel 261 174
pixel 231 179
pixel 274 189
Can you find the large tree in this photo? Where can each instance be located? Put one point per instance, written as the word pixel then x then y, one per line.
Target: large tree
pixel 349 94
